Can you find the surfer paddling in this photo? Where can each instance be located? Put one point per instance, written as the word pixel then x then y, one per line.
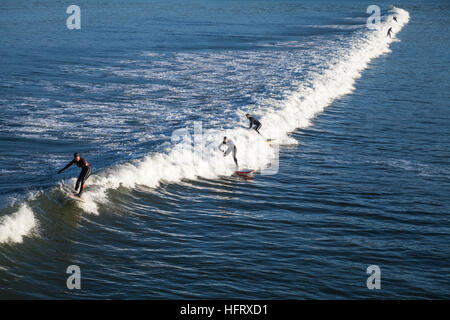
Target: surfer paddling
pixel 86 171
pixel 254 123
pixel 230 148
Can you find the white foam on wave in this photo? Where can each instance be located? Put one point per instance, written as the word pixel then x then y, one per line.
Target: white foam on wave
pixel 17 225
pixel 279 119
pixel 337 80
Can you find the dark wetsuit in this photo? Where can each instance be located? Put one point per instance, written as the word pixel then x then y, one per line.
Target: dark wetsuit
pixel 86 171
pixel 389 32
pixel 256 123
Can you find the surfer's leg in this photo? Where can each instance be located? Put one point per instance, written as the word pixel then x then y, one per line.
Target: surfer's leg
pixel 234 156
pixel 258 127
pixel 80 177
pixel 86 175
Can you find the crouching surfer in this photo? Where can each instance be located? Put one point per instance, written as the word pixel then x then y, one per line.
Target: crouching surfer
pixel 230 148
pixel 254 123
pixel 86 171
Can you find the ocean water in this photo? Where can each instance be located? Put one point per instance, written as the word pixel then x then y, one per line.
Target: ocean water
pixel 358 173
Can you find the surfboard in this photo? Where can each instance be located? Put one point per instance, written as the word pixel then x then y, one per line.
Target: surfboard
pixel 245 172
pixel 68 194
pixel 270 140
pixel 74 197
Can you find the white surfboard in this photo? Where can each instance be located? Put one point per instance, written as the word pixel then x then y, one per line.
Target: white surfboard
pixel 74 197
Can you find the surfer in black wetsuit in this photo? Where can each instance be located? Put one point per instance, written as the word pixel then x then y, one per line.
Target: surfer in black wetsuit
pixel 389 32
pixel 253 122
pixel 86 171
pixel 395 19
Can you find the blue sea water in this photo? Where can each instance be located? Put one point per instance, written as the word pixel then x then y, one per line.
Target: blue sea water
pixel 361 149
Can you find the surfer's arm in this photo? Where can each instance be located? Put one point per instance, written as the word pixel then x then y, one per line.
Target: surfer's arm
pixel 68 165
pixel 251 123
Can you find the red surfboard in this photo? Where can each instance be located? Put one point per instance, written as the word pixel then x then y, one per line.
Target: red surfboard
pixel 245 172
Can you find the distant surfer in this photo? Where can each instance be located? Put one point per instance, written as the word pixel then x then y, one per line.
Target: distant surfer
pixel 230 148
pixel 395 19
pixel 86 171
pixel 254 123
pixel 389 32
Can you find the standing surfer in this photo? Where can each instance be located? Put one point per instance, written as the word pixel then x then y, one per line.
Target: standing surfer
pixel 86 171
pixel 389 32
pixel 231 148
pixel 254 122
